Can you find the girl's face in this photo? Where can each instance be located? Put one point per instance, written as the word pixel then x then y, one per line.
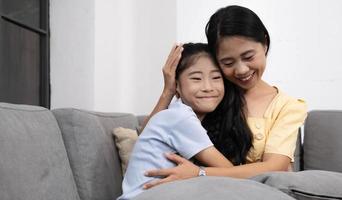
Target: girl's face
pixel 242 60
pixel 200 86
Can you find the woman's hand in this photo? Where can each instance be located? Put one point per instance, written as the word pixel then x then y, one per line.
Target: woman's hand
pixel 184 170
pixel 169 69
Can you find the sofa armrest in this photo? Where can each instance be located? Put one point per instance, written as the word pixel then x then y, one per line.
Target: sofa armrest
pixel 323 141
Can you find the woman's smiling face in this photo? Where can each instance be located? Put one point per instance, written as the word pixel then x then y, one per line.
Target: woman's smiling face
pixel 242 60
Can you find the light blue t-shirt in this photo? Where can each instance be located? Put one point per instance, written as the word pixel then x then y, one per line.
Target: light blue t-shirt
pixel 176 129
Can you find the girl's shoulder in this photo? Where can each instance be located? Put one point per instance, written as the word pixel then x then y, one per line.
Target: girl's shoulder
pixel 175 113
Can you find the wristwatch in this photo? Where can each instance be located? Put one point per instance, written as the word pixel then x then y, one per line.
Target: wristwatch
pixel 201 171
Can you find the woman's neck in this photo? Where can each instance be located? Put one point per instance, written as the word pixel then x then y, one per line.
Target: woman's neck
pixel 259 89
pixel 258 99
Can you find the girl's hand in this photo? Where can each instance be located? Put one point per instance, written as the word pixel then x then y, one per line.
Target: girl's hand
pixel 184 170
pixel 169 72
pixel 169 69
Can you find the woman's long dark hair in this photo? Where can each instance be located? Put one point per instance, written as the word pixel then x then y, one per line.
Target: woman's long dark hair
pixel 227 126
pixel 235 21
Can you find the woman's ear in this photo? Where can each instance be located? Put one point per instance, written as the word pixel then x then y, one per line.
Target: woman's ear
pixel 265 45
pixel 265 49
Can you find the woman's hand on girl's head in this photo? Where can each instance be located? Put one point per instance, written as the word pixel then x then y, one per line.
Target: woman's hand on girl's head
pixel 169 69
pixel 184 170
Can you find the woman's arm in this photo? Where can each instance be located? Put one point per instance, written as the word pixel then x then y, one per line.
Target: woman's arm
pixel 271 162
pixel 169 73
pixel 186 169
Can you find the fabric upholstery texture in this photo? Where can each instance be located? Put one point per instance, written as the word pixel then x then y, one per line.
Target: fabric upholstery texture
pixel 209 188
pixel 297 165
pixel 303 185
pixel 323 141
pixel 125 139
pixel 76 159
pixel 33 160
pixel 90 146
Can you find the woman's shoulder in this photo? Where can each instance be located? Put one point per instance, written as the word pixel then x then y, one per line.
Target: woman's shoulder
pixel 283 102
pixel 284 98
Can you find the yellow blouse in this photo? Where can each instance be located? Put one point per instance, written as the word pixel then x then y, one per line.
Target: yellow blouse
pixel 276 132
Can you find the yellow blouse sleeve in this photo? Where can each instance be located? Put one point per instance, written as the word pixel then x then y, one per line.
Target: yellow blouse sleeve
pixel 283 134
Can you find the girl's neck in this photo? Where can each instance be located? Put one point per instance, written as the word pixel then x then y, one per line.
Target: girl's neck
pixel 200 116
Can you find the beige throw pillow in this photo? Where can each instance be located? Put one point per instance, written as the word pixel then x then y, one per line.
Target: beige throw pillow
pixel 125 139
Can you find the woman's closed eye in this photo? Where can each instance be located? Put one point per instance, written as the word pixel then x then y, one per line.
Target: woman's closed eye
pixel 248 58
pixel 227 64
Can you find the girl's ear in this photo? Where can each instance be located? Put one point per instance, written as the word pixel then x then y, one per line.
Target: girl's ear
pixel 177 90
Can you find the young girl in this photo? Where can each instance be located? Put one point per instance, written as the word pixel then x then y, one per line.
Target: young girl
pixel 178 129
pixel 240 42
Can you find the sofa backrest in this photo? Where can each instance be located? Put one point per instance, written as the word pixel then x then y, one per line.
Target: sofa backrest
pixel 90 146
pixel 33 160
pixel 322 148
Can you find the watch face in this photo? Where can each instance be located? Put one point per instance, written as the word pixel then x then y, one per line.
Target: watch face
pixel 201 172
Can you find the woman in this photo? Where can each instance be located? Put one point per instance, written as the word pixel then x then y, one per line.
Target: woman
pixel 240 42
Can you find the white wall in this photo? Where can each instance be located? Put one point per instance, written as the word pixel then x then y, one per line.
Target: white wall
pixel 107 55
pixel 306 43
pixel 133 38
pixel 72 53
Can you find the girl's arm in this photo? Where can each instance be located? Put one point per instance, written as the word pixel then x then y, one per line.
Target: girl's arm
pixel 169 73
pixel 211 157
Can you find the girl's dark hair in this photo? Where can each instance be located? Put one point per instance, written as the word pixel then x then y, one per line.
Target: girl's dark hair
pixel 235 21
pixel 191 52
pixel 227 126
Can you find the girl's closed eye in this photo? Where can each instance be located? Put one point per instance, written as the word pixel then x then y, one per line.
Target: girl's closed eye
pixel 217 77
pixel 195 78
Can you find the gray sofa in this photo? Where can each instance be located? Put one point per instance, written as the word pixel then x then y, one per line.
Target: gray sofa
pixel 70 154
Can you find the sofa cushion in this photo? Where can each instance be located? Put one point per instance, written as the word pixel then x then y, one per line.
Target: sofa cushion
pixel 323 141
pixel 90 146
pixel 33 160
pixel 303 185
pixel 125 139
pixel 209 188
